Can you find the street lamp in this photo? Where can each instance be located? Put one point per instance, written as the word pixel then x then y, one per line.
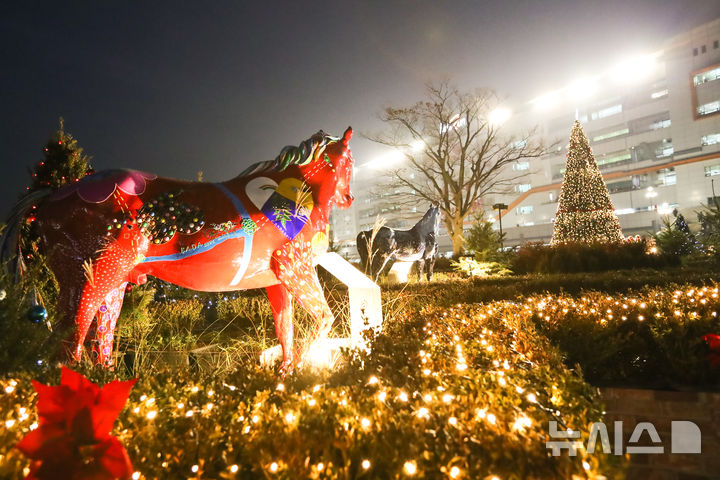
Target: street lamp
pixel 500 207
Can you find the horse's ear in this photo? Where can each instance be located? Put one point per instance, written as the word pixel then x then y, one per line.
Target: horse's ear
pixel 347 135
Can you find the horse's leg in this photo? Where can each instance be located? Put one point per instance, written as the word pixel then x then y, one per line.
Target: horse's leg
pixel 107 316
pixel 421 267
pixel 109 270
pixel 431 265
pixel 292 264
pixel 282 308
pixel 379 263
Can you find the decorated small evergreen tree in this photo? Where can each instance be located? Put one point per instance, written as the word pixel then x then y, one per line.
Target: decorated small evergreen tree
pixel 585 212
pixel 64 162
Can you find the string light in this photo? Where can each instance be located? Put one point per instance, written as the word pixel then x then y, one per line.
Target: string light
pixel 585 212
pixel 410 468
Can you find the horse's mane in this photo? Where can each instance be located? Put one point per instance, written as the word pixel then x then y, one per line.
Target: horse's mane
pixel 303 154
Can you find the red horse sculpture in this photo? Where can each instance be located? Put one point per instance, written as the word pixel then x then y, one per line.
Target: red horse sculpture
pixel 259 230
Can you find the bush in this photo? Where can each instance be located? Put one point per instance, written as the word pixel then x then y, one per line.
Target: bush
pixel 577 257
pixel 29 343
pixel 474 268
pixel 449 388
pixel 673 241
pixel 653 338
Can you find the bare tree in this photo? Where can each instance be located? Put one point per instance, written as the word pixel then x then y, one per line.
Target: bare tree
pixel 455 154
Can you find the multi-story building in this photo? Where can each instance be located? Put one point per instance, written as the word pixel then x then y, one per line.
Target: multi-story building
pixel 653 124
pixel 654 127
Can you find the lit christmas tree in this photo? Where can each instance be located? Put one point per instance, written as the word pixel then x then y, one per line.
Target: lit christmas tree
pixel 64 162
pixel 585 212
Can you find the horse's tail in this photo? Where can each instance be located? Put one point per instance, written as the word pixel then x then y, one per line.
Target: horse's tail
pixel 10 240
pixel 362 247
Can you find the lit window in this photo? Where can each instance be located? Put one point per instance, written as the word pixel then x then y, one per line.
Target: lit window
pixel 711 139
pixel 712 170
pixel 606 136
pixel 709 108
pixel 659 94
pixel 521 165
pixel 606 112
pixel 660 124
pixel 666 177
pixel 609 159
pixel 524 210
pixel 664 150
pixel 707 76
pixel 523 187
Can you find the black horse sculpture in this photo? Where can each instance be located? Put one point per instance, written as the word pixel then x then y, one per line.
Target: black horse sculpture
pixel 388 245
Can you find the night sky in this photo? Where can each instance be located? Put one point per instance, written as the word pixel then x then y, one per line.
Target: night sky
pixel 216 86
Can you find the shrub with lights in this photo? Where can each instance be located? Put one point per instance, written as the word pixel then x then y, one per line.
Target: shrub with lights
pixel 464 392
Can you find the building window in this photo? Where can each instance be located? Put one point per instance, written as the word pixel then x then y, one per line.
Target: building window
pixel 711 139
pixel 520 144
pixel 709 108
pixel 695 52
pixel 606 112
pixel 523 187
pixel 665 149
pixel 609 135
pixel 660 124
pixel 712 170
pixel 715 44
pixel 524 210
pixel 659 94
pixel 707 76
pixel 666 177
pixel 703 49
pixel 521 165
pixel 614 158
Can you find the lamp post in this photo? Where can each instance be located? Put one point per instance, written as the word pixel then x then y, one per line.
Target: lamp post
pixel 500 207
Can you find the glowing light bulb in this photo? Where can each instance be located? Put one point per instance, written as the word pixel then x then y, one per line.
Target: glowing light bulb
pixel 273 467
pixel 410 468
pixel 365 464
pixel 234 468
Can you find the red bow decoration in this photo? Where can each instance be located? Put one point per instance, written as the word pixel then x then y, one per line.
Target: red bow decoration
pixel 73 438
pixel 713 342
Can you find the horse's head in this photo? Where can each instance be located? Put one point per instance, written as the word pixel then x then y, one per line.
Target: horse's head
pixel 342 161
pixel 329 173
pixel 431 219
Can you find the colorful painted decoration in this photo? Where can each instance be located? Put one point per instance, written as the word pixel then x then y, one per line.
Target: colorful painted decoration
pixel 73 438
pixel 114 228
pixel 162 217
